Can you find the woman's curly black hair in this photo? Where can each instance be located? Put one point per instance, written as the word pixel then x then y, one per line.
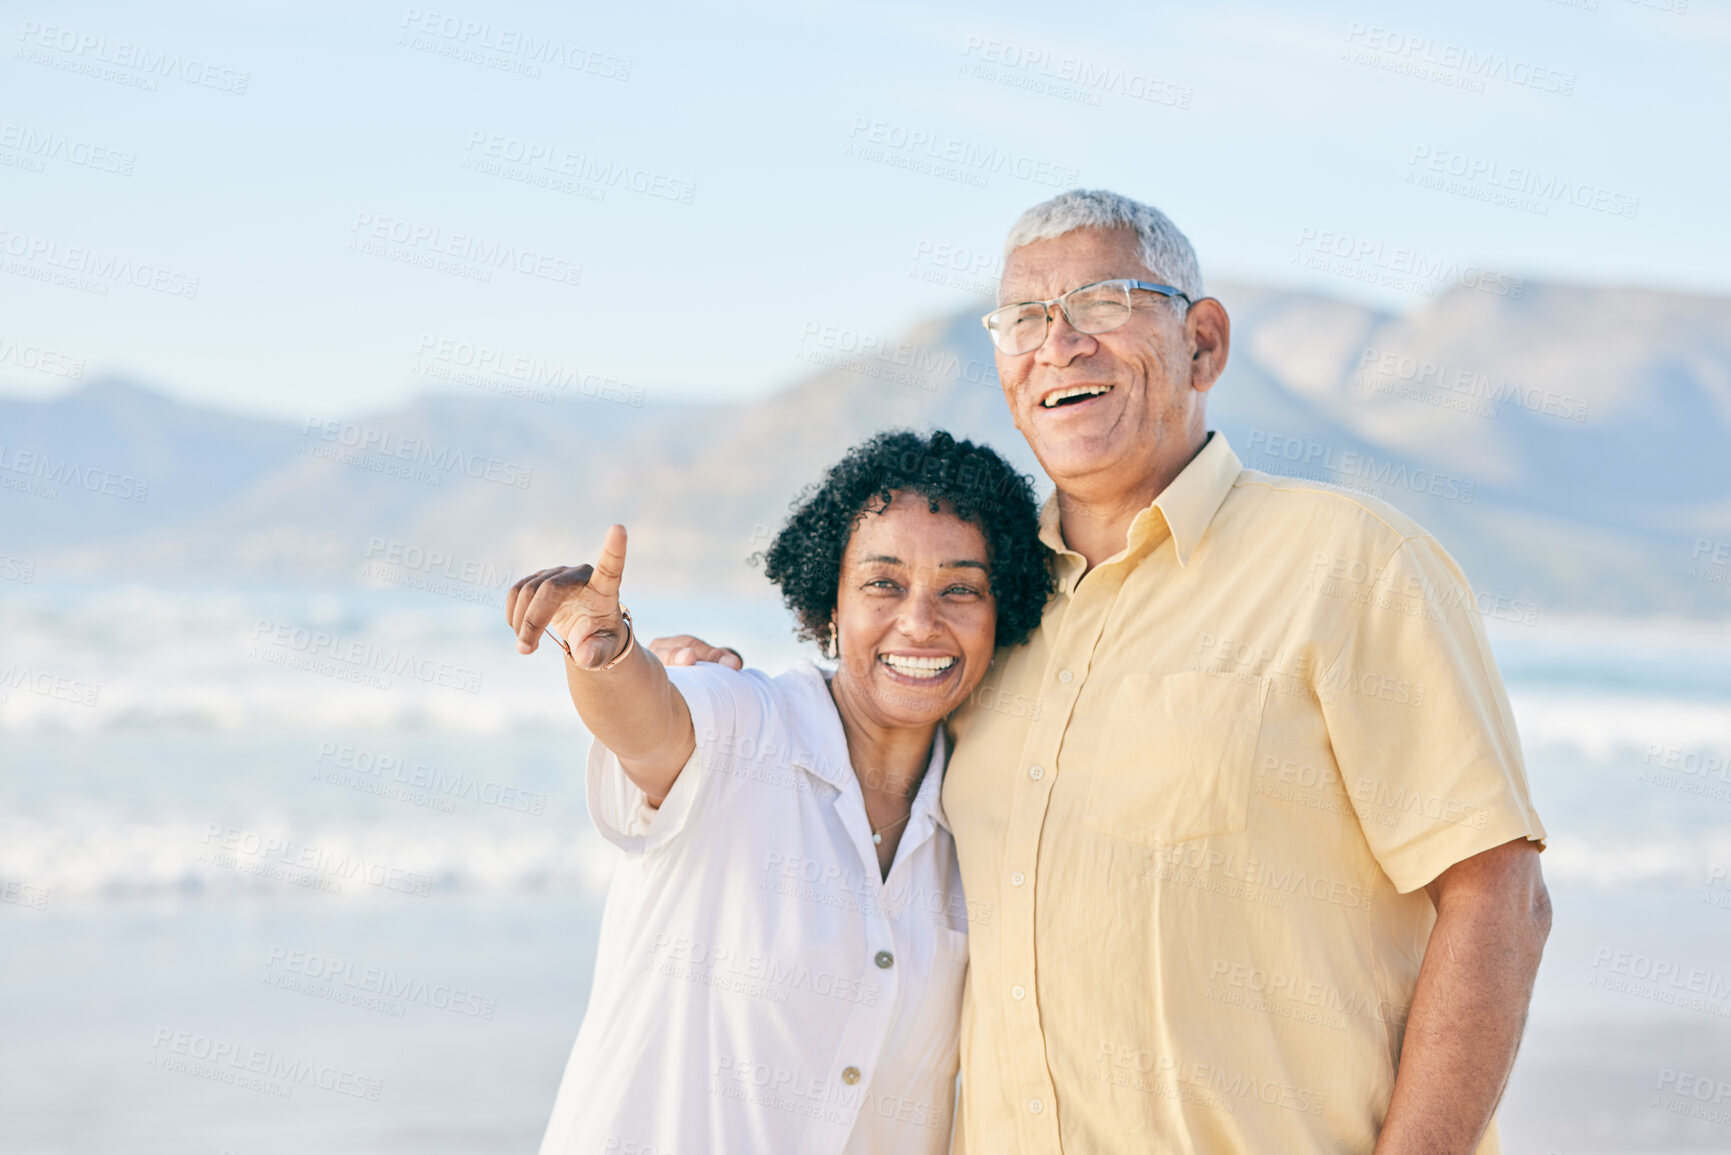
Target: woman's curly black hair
pixel 978 485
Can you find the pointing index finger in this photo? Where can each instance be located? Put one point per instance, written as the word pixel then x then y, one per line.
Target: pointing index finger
pixel 610 566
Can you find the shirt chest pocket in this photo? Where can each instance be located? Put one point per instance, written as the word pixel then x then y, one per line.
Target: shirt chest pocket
pixel 1174 762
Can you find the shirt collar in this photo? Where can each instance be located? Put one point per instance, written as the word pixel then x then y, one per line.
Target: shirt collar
pixel 931 793
pixel 819 742
pixel 1184 509
pixel 820 745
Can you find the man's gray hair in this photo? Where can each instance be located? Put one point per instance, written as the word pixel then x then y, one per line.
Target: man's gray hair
pixel 1165 250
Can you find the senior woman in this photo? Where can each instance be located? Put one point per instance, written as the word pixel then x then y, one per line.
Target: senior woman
pixel 782 953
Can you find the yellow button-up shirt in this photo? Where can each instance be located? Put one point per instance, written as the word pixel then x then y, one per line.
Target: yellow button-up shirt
pixel 1195 815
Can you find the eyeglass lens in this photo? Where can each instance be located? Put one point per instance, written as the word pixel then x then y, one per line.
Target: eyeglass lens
pixel 1090 309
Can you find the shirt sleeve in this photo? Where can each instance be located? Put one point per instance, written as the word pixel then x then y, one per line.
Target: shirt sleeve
pixel 1421 725
pixel 725 706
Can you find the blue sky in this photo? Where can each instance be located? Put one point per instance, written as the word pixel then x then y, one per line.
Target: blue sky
pixel 849 166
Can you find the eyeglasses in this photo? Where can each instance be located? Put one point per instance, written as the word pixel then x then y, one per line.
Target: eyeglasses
pixel 1097 308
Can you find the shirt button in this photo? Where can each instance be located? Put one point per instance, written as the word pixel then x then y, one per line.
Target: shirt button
pixel 1064 676
pixel 1035 1106
pixel 850 1075
pixel 1018 993
pixel 1017 878
pixel 1036 773
pixel 885 960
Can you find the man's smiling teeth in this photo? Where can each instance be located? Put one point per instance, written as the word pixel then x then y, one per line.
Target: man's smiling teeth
pixel 916 667
pixel 1062 395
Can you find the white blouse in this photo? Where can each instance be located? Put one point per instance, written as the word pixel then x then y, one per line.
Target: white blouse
pixel 760 988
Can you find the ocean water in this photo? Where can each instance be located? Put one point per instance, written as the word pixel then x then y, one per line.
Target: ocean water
pixel 290 870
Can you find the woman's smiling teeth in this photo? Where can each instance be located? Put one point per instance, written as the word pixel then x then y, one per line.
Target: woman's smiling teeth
pixel 1058 397
pixel 916 667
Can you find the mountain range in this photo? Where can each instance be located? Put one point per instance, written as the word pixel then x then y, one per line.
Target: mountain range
pixel 1571 447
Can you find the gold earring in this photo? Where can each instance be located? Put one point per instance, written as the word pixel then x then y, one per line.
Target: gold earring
pixel 832 648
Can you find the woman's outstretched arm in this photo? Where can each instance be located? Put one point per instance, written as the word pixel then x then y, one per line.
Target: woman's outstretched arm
pixel 632 708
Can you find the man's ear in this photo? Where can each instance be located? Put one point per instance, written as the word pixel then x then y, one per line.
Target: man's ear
pixel 1209 330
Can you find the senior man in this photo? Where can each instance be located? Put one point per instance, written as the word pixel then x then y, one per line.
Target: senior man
pixel 1262 866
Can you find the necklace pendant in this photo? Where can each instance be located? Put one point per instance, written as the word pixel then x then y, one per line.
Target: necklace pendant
pixel 877 840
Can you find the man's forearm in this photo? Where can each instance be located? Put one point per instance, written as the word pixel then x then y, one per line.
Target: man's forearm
pixel 1470 1004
